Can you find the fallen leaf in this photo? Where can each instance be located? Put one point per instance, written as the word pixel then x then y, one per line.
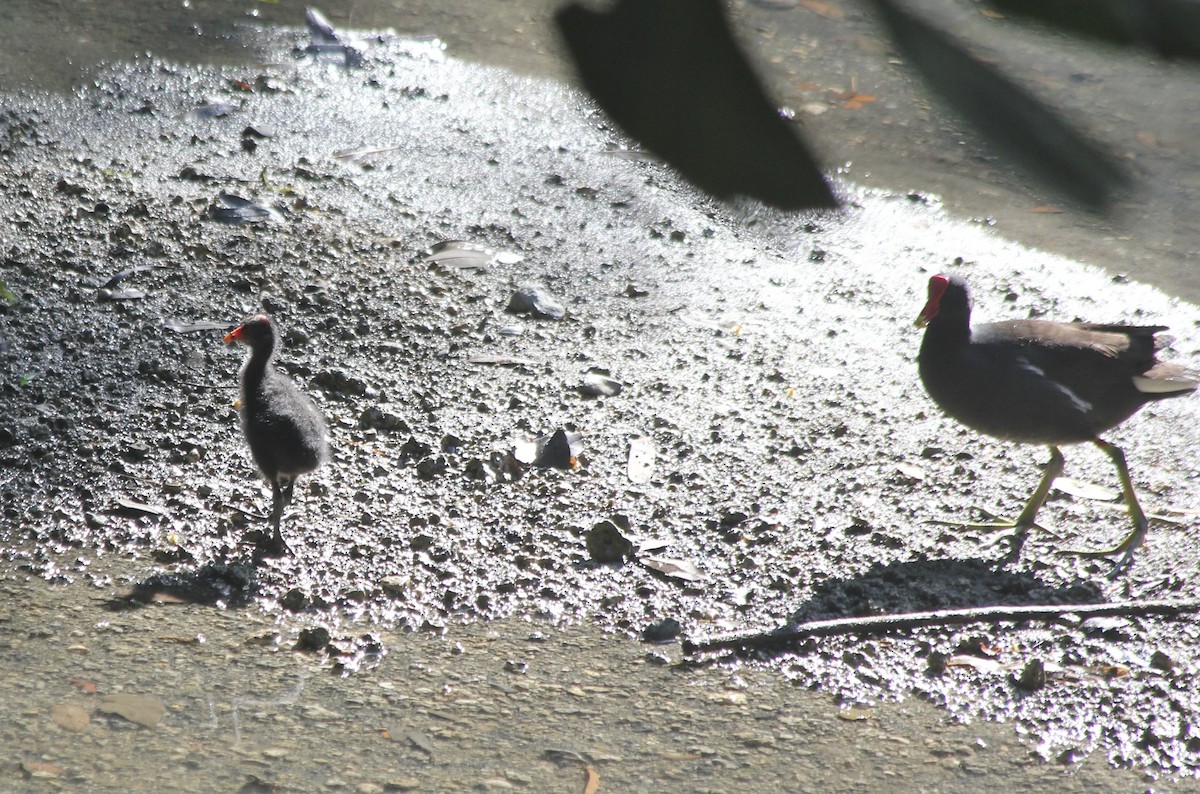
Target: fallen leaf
pixel 419 741
pixel 143 709
pixel 975 662
pixel 1147 139
pixel 83 685
pixel 1176 516
pixel 676 569
pixel 127 294
pixel 823 9
pixel 463 255
pixel 132 509
pixel 597 383
pixel 1085 490
pixel 37 769
pixel 354 155
pixel 71 718
pixel 1046 209
pixel 234 209
pixel 591 781
pixel 194 640
pixel 211 110
pixel 184 327
pixel 852 100
pixel 856 712
pixel 1110 671
pixel 501 361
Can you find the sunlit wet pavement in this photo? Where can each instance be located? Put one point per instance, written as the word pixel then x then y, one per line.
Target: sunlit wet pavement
pixel 785 393
pixel 829 62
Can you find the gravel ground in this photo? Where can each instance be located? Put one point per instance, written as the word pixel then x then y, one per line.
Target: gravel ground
pixel 768 362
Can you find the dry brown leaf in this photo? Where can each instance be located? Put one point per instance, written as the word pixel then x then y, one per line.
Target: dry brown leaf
pixel 823 9
pixel 855 713
pixel 591 783
pixel 852 99
pixel 83 685
pixel 1046 209
pixel 38 769
pixel 145 710
pixel 196 640
pixel 1147 139
pixel 71 718
pixel 1110 671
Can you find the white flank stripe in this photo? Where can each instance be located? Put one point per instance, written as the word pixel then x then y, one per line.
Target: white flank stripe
pixel 1080 405
pixel 1029 366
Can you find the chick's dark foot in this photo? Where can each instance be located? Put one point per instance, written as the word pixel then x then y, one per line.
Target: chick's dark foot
pixel 266 545
pixel 276 547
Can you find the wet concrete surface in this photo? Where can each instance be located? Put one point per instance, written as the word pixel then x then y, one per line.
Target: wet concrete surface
pixel 861 109
pixel 504 706
pixel 768 359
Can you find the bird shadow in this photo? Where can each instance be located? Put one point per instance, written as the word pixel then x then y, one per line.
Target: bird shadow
pixel 929 585
pixel 896 597
pixel 221 584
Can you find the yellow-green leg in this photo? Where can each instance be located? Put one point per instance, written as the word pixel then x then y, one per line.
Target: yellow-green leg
pixel 1130 544
pixel 1028 516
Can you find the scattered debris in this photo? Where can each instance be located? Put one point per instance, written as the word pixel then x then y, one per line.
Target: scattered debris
pixel 537 302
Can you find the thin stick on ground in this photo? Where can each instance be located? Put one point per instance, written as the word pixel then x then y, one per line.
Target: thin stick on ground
pixel 780 639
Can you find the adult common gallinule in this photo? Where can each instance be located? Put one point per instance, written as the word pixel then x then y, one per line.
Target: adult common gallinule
pixel 284 428
pixel 1042 382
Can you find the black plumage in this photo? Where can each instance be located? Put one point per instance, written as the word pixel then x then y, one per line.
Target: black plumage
pixel 1042 382
pixel 285 430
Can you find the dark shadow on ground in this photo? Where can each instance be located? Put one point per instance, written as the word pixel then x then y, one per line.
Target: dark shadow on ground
pixel 221 584
pixel 926 585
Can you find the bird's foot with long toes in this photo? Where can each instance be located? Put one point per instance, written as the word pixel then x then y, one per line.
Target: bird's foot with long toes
pixel 1120 555
pixel 996 523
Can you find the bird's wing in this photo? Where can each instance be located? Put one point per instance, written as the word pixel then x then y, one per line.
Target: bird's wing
pixel 1068 344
